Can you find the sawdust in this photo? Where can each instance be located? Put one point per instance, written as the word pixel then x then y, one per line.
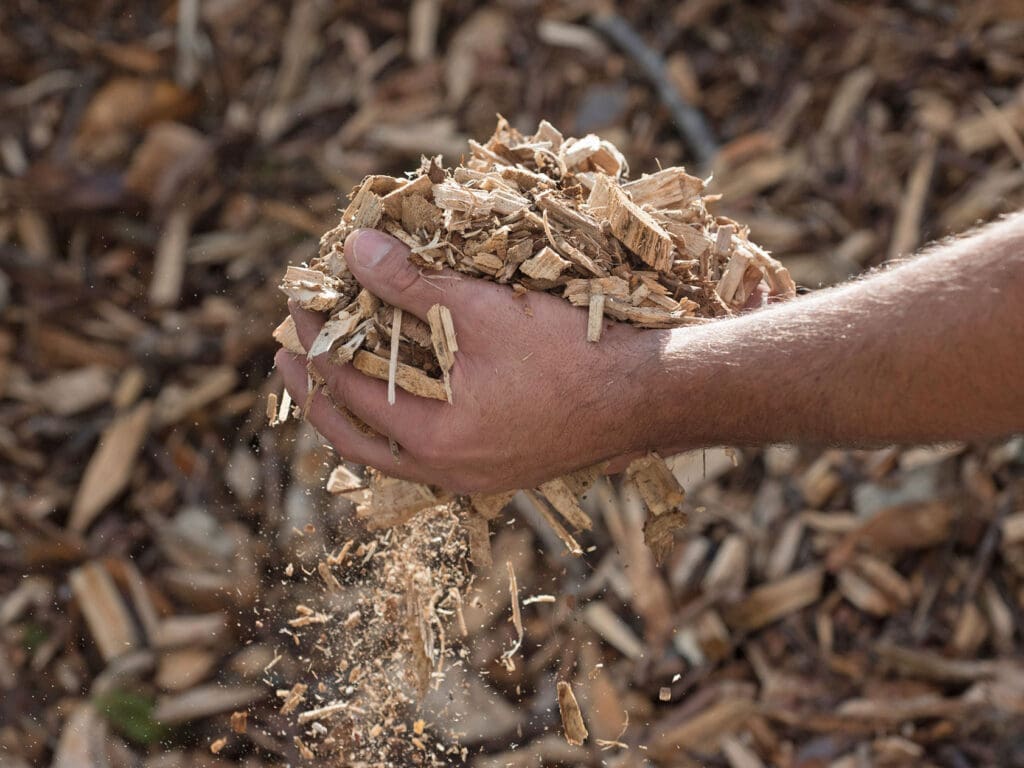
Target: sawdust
pixel 377 637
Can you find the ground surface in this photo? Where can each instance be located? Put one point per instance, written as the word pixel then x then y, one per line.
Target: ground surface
pixel 161 162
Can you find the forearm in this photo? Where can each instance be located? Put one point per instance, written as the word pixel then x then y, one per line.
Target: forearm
pixel 928 351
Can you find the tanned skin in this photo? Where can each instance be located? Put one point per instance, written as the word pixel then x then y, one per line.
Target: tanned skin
pixel 927 351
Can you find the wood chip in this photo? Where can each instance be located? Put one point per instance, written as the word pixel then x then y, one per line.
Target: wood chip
pixel 613 629
pixel 110 468
pixel 656 484
pixel 293 698
pixel 442 338
pixel 106 614
pixel 595 317
pixel 776 600
pixel 516 618
pixel 572 719
pixel 410 379
pixel 239 721
pixel 205 700
pixel 705 731
pixel 635 228
pixel 396 329
pixel 556 526
pixel 564 499
pixel 546 264
pixel 169 270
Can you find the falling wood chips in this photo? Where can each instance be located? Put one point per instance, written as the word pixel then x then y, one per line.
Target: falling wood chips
pixel 537 213
pixel 572 719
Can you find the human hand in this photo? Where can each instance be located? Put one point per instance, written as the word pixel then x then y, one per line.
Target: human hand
pixel 532 399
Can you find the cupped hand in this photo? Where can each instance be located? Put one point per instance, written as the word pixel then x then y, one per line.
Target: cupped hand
pixel 532 399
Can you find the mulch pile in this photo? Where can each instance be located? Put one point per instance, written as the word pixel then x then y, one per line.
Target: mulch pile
pixel 158 169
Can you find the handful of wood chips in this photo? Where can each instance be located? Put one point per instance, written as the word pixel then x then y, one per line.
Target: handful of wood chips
pixel 539 213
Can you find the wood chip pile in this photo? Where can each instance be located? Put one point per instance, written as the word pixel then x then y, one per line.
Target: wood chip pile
pixel 161 162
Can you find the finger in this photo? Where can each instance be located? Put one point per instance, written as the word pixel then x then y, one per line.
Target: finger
pixel 408 420
pixel 307 323
pixel 348 441
pixel 620 463
pixel 364 396
pixel 381 264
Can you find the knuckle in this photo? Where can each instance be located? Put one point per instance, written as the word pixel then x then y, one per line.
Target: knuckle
pixel 435 452
pixel 334 384
pixel 476 303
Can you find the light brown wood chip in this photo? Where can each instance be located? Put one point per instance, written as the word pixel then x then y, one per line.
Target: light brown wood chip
pixel 572 719
pixel 239 721
pixel 293 698
pixel 556 526
pixel 595 317
pixel 330 580
pixel 442 338
pixel 272 409
pixel 655 483
pixel 344 480
pixel 771 602
pixel 546 264
pixel 408 378
pixel 635 228
pixel 288 336
pixel 563 498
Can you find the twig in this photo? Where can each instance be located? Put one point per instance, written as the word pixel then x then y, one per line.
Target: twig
pixel 187 67
pixel 987 547
pixel 688 119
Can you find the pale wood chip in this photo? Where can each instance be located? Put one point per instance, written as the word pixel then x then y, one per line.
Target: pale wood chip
pixel 516 618
pixel 564 500
pixel 239 721
pixel 556 526
pixel 410 379
pixel 443 341
pixel 572 719
pixel 396 328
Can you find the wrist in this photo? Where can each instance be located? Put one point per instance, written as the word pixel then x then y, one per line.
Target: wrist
pixel 685 401
pixel 650 417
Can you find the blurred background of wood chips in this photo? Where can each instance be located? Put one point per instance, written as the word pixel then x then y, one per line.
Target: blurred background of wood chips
pixel 160 163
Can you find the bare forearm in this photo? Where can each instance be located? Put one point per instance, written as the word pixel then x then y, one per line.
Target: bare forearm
pixel 928 351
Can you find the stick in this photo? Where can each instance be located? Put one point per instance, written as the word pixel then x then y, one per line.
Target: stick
pixel 688 119
pixel 396 334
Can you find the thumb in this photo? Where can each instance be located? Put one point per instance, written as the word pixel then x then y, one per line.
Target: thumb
pixel 381 264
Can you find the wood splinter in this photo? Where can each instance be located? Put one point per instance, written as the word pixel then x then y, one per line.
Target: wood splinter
pixel 396 335
pixel 595 317
pixel 442 338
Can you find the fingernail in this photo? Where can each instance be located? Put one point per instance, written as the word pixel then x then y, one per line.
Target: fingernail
pixel 370 247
